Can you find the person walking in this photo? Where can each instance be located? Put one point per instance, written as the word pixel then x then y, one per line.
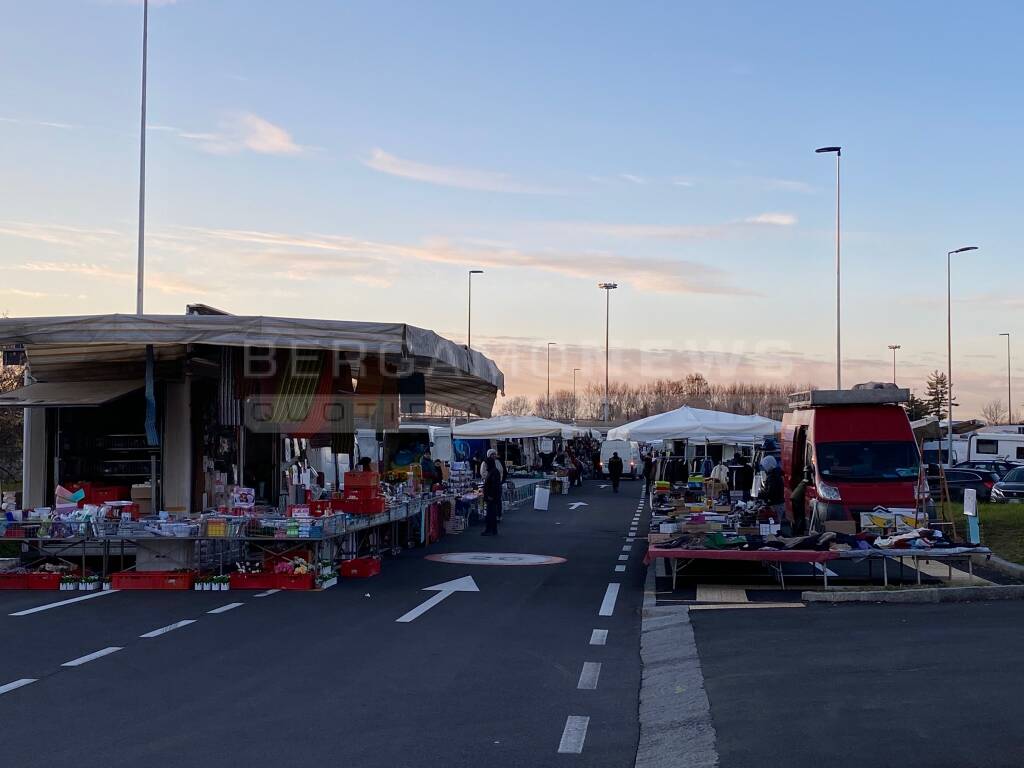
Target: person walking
pixel 492 497
pixel 648 473
pixel 615 471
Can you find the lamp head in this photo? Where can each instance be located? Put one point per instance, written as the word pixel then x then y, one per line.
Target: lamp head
pixel 964 249
pixel 608 286
pixel 476 271
pixel 837 150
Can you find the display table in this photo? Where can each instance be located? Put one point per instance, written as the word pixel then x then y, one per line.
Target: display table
pixel 771 557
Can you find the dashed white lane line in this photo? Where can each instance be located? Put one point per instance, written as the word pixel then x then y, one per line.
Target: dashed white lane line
pixel 608 604
pixel 225 608
pixel 589 676
pixel 629 539
pixel 574 735
pixel 599 637
pixel 623 558
pixel 620 569
pixel 60 603
pixel 169 628
pixel 92 656
pixel 26 680
pixel 268 593
pixel 627 547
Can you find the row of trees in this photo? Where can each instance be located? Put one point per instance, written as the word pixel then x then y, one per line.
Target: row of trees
pixel 11 377
pixel 635 401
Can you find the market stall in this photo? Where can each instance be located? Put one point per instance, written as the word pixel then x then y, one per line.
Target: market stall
pixel 189 443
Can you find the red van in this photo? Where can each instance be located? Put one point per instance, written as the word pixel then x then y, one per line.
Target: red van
pixel 857 450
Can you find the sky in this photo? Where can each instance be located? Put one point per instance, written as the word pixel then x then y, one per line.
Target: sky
pixel 353 160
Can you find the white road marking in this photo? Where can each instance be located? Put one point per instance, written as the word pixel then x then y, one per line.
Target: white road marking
pixel 574 734
pixel 627 547
pixel 623 558
pixel 608 604
pixel 91 657
pixel 59 603
pixel 26 680
pixel 225 608
pixel 620 569
pixel 599 637
pixel 169 628
pixel 465 584
pixel 268 593
pixel 589 676
pixel 630 539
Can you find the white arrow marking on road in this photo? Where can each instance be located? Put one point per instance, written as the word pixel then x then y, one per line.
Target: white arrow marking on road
pixel 465 584
pixel 602 486
pixel 577 504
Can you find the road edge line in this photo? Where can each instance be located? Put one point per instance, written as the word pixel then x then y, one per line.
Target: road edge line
pixel 675 713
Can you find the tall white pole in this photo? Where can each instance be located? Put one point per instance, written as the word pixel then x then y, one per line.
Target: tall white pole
pixel 142 166
pixel 469 314
pixel 949 358
pixel 839 357
pixel 607 321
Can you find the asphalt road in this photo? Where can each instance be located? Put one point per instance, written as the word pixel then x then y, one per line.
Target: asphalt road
pixel 867 685
pixel 331 678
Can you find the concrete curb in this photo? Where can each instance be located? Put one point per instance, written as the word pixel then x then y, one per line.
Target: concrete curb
pixel 920 595
pixel 675 714
pixel 996 563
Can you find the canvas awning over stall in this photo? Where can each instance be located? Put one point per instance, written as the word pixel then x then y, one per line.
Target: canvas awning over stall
pixel 696 424
pixel 59 347
pixel 508 427
pixel 69 394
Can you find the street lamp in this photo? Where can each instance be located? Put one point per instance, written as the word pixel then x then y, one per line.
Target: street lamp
pixel 894 347
pixel 1009 389
pixel 550 345
pixel 140 272
pixel 469 308
pixel 839 364
pixel 949 346
pixel 574 372
pixel 607 288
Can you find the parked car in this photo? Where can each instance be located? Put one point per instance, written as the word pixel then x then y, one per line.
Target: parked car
pixel 1011 488
pixel 958 480
pixel 1000 466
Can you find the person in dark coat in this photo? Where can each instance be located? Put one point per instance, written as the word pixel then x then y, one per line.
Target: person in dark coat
pixel 492 497
pixel 648 472
pixel 615 471
pixel 744 477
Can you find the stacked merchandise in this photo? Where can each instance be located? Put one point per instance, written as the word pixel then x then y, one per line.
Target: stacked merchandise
pixel 362 494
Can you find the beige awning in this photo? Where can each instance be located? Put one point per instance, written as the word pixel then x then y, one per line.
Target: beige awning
pixel 69 394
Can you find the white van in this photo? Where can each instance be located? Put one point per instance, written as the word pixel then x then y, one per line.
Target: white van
pixel 629 452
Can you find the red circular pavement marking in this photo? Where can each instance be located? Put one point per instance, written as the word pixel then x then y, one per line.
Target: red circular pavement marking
pixel 495 558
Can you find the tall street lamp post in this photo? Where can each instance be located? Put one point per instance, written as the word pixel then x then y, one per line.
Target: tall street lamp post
pixel 607 288
pixel 839 360
pixel 894 347
pixel 550 345
pixel 574 372
pixel 949 346
pixel 469 309
pixel 140 273
pixel 1009 384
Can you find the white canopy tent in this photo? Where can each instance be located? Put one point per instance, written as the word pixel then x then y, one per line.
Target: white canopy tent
pixel 688 423
pixel 508 427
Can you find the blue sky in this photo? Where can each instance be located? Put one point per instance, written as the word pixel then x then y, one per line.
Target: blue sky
pixel 353 160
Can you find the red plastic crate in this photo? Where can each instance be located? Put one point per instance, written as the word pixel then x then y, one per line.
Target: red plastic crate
pixel 15 580
pixel 361 480
pixel 151 580
pixel 363 507
pixel 42 581
pixel 362 494
pixel 360 568
pixel 294 581
pixel 97 493
pixel 253 581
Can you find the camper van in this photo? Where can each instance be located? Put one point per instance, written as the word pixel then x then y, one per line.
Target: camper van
pixel 858 449
pixel 629 452
pixel 999 443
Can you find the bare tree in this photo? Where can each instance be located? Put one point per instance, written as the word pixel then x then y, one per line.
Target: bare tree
pixel 994 412
pixel 11 377
pixel 517 406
